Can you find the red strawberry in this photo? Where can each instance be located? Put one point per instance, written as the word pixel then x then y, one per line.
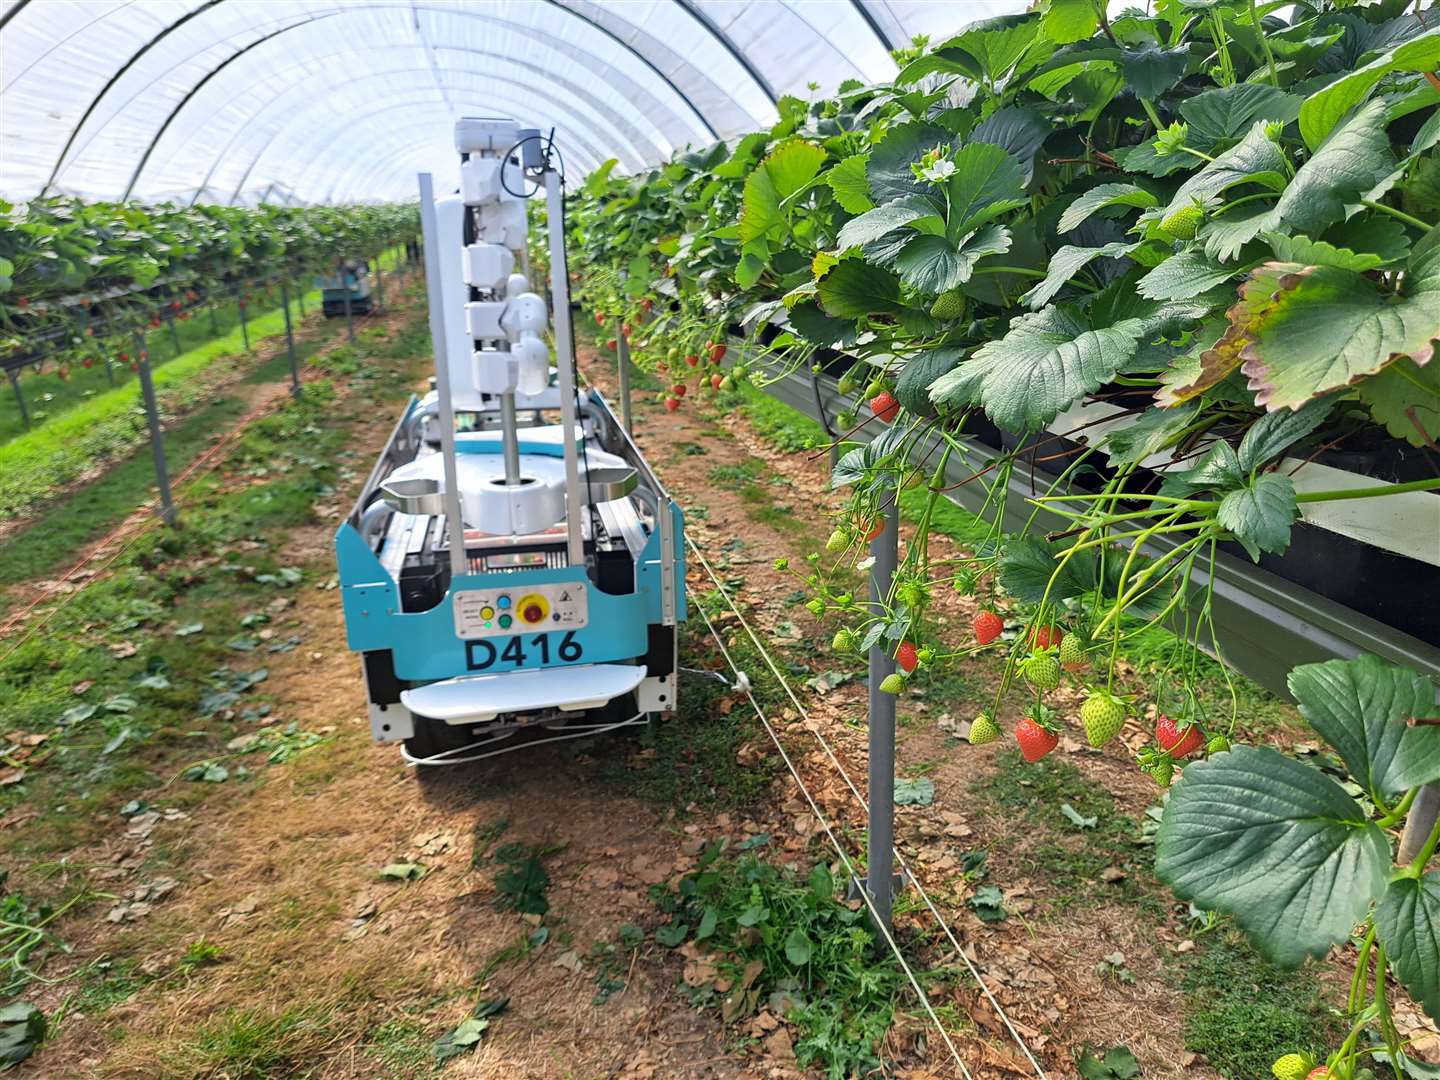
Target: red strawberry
pixel 717 352
pixel 647 304
pixel 599 318
pixel 1042 637
pixel 678 389
pixel 988 626
pixel 906 657
pixel 873 529
pixel 692 360
pixel 88 362
pixel 672 403
pixel 625 329
pixel 716 381
pixel 1179 743
pixel 885 406
pixel 1034 740
pixel 1320 1072
pixel 122 357
pixel 612 345
pixel 154 322
pixel 23 302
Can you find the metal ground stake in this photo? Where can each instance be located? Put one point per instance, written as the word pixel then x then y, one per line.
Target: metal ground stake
pixel 622 350
pixel 290 340
pixel 19 398
pixel 157 438
pixel 880 879
pixel 349 316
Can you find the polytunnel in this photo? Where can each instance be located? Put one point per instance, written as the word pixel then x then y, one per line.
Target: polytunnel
pixel 720 539
pixel 223 100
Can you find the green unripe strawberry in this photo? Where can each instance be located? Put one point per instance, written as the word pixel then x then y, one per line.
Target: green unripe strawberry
pixel 844 640
pixel 1291 1067
pixel 1218 744
pixel 727 383
pixel 948 305
pixel 913 595
pixel 965 582
pixel 894 683
pixel 846 418
pixel 1162 772
pixel 838 542
pixel 815 607
pixel 1072 652
pixel 1103 715
pixel 927 655
pixel 983 730
pixel 782 564
pixel 846 385
pixel 1042 671
pixel 1184 223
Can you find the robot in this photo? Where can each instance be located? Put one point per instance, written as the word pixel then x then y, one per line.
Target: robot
pixel 512 566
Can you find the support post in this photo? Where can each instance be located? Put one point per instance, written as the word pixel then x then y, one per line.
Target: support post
pixel 290 340
pixel 622 352
pixel 564 360
pixel 300 295
pixel 157 438
pixel 110 369
pixel 1419 823
pixel 19 397
pixel 379 287
pixel 349 315
pixel 243 304
pixel 880 842
pixel 174 333
pixel 214 326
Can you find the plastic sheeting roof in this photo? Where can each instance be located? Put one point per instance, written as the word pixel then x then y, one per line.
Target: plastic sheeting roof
pixel 345 100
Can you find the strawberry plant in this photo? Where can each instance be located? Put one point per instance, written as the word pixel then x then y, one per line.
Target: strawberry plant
pixel 1170 257
pixel 1220 218
pixel 1300 861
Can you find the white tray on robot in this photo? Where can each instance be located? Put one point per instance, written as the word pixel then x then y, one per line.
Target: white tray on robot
pixel 475 699
pixel 488 503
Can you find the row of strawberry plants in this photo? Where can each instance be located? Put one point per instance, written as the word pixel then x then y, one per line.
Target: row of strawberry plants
pixel 1219 218
pixel 73 274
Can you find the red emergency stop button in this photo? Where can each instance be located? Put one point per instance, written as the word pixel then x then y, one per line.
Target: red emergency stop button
pixel 533 609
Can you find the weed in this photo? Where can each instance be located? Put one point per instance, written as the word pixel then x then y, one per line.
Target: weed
pixel 521 885
pixel 198 954
pixel 787 942
pixel 403 1048
pixel 1245 1012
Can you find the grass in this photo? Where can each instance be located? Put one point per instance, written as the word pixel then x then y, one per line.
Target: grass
pixel 690 762
pixel 403 1048
pixel 254 1043
pixel 1069 856
pixel 1244 1012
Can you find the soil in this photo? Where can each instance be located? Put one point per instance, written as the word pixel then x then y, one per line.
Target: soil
pixel 283 875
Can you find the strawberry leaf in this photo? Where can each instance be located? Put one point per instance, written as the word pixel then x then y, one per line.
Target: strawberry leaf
pixel 1353 159
pixel 1362 707
pixel 1260 514
pixel 1047 362
pixel 1408 920
pixel 1275 843
pixel 1101 198
pixel 1306 330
